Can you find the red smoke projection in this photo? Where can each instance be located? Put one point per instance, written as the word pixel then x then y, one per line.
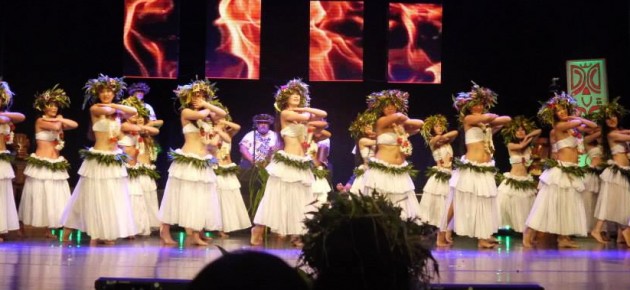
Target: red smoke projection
pixel 150 36
pixel 336 50
pixel 415 43
pixel 233 39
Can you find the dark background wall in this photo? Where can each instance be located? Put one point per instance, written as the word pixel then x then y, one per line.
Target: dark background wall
pixel 513 47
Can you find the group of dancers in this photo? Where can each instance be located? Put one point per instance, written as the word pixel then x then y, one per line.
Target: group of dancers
pixel 116 195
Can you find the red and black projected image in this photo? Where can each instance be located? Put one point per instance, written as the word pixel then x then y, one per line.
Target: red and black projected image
pixel 336 41
pixel 233 39
pixel 151 38
pixel 414 43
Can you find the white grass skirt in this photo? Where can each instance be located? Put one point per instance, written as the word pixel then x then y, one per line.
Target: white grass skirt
pixel 9 220
pixel 476 209
pixel 398 188
pixel 100 204
pixel 190 197
pixel 233 210
pixel 515 204
pixel 434 203
pixel 559 206
pixel 149 189
pixel 139 207
pixel 287 195
pixel 45 195
pixel 590 193
pixel 613 202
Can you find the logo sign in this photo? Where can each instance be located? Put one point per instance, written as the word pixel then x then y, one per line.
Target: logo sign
pixel 587 83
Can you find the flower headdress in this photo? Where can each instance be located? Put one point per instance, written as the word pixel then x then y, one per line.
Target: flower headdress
pixel 294 86
pixel 218 103
pixel 509 130
pixel 377 101
pixel 185 93
pixel 138 87
pixel 136 103
pixel 55 95
pixel 429 123
pixel 94 86
pixel 357 127
pixel 6 95
pixel 613 109
pixel 477 95
pixel 547 112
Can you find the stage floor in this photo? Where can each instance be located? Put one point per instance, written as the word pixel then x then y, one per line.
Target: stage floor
pixel 43 264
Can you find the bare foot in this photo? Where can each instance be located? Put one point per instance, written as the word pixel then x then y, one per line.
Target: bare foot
pixel 257 236
pixel 296 241
pixel 204 237
pixel 1 240
pixel 527 243
pixel 223 235
pixel 50 236
pixel 486 244
pixel 626 235
pixel 566 243
pixel 93 242
pixel 494 240
pixel 166 238
pixel 449 237
pixel 196 240
pixel 597 236
pixel 109 242
pixel 441 240
pixel 65 237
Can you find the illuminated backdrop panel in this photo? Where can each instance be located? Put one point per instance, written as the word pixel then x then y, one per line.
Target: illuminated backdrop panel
pixel 233 39
pixel 415 43
pixel 151 38
pixel 336 36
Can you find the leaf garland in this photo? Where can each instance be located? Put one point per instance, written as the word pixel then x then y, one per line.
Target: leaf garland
pixel 595 170
pixel 135 172
pixel 439 175
pixel 478 169
pixel 408 169
pixel 358 172
pixel 104 159
pixel 347 222
pixel 7 157
pixel 301 165
pixel 225 171
pixel 520 184
pixel 575 171
pixel 320 173
pixel 63 165
pixel 625 172
pixel 195 162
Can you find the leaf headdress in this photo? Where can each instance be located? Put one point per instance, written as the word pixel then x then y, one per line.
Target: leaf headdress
pixel 56 96
pixel 377 101
pixel 429 123
pixel 477 95
pixel 613 109
pixel 6 95
pixel 509 130
pixel 547 111
pixel 357 127
pixel 136 103
pixel 294 86
pixel 94 86
pixel 185 93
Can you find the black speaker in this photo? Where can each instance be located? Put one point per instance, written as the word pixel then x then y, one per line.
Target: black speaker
pixel 108 283
pixel 485 286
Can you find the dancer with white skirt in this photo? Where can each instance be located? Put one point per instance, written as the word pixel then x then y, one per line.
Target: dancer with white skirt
pixel 318 139
pixel 389 173
pixel 517 190
pixel 46 191
pixel 613 202
pixel 9 220
pixel 559 206
pixel 476 211
pixel 100 204
pixel 362 130
pixel 233 211
pixel 288 191
pixel 436 205
pixel 593 145
pixel 190 196
pixel 132 143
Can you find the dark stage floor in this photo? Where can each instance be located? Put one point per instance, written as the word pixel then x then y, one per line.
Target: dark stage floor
pixel 43 264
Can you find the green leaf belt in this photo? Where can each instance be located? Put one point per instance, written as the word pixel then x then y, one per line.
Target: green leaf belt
pixel 195 162
pixel 301 165
pixel 63 165
pixel 224 171
pixel 135 172
pixel 439 175
pixel 408 169
pixel 479 169
pixel 104 159
pixel 573 170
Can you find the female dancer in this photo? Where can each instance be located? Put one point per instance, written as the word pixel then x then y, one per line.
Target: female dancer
pixel 476 211
pixel 613 202
pixel 318 149
pixel 190 196
pixel 9 220
pixel 46 191
pixel 132 143
pixel 559 207
pixel 517 190
pixel 233 211
pixel 362 130
pixel 100 204
pixel 595 167
pixel 288 190
pixel 388 172
pixel 436 202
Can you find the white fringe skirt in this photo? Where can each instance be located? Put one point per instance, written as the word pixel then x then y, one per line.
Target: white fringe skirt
pixel 190 197
pixel 515 204
pixel 100 204
pixel 9 220
pixel 613 202
pixel 398 188
pixel 233 211
pixel 435 198
pixel 45 194
pixel 559 206
pixel 287 196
